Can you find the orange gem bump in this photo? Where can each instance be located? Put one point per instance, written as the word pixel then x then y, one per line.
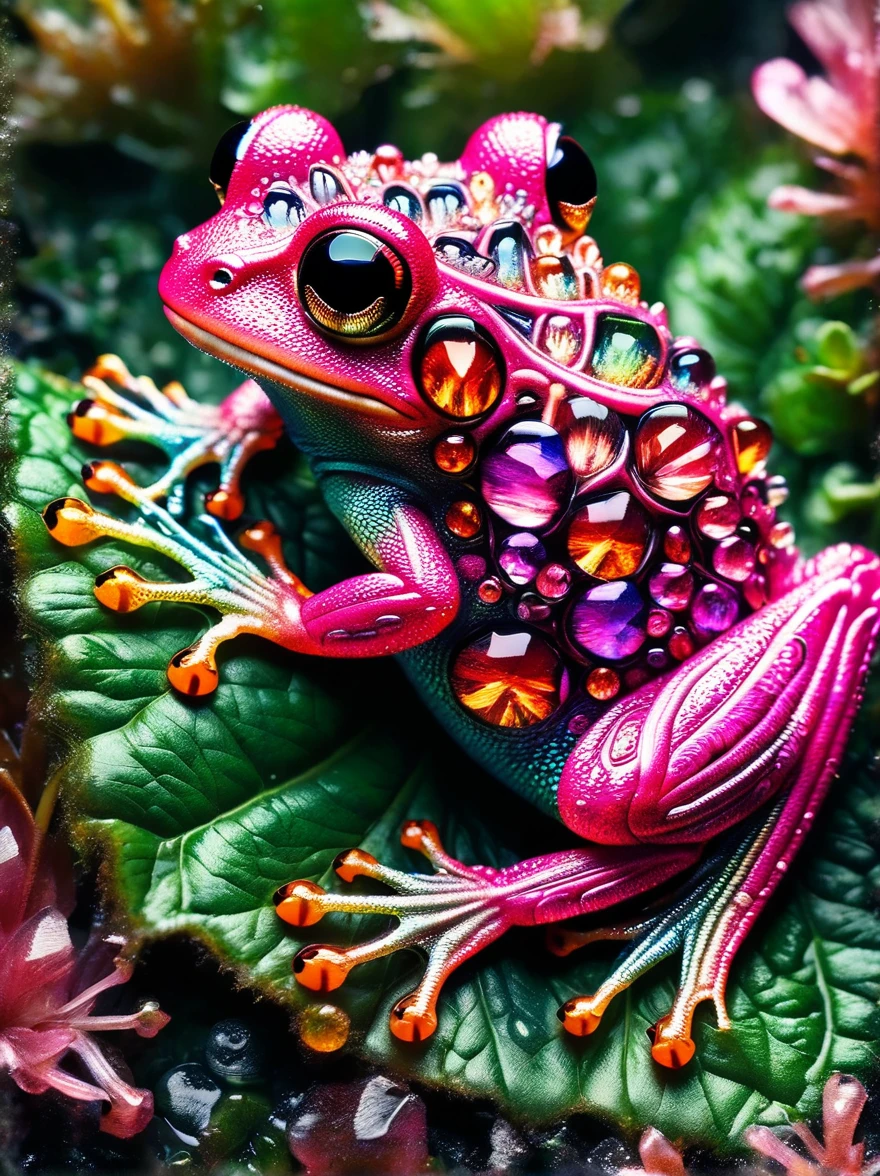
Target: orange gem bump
pixel 460 369
pixel 463 519
pixel 603 683
pixel 509 679
pixel 455 453
pixel 621 281
pixel 751 443
pixel 324 1028
pixel 608 536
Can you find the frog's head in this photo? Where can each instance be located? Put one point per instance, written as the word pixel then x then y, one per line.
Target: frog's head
pixel 420 294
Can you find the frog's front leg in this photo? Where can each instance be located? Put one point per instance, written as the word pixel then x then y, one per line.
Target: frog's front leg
pixel 412 596
pixel 747 733
pixel 191 434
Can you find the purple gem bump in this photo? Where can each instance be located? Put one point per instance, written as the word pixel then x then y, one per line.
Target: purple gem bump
pixel 521 558
pixel 526 480
pixel 609 620
pixel 714 610
pixel 672 586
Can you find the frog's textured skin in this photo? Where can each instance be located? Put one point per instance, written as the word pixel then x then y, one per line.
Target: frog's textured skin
pixel 713 768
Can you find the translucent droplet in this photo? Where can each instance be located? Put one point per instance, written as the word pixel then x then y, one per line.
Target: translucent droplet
pixel 608 536
pixel 509 679
pixel 591 433
pixel 609 620
pixel 675 452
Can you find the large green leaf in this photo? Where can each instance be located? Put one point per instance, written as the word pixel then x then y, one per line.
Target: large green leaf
pixel 735 278
pixel 200 810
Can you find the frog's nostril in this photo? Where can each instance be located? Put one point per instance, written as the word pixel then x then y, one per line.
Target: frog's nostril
pixel 220 279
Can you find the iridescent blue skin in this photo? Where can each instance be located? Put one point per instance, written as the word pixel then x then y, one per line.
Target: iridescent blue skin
pixel 739 733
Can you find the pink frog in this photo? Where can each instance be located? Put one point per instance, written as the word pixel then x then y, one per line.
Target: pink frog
pixel 576 550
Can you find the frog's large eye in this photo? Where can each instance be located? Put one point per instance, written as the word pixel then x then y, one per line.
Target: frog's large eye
pixel 226 155
pixel 352 284
pixel 571 184
pixel 626 351
pixel 282 207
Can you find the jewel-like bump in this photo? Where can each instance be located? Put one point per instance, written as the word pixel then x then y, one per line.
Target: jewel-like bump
pixel 352 863
pixel 71 521
pixel 194 678
pixel 410 1023
pixel 225 504
pixel 324 1028
pixel 320 968
pixel 295 903
pixel 119 589
pixel 578 1018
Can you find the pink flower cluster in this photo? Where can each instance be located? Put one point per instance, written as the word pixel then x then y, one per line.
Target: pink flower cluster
pixel 48 990
pixel 837 113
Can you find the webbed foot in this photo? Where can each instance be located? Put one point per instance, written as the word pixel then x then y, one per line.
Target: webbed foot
pixel 698 924
pixel 460 909
pixel 248 600
pixel 189 433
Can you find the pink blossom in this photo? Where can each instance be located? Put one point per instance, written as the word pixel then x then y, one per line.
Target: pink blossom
pixel 48 990
pixel 838 113
pixel 843 1101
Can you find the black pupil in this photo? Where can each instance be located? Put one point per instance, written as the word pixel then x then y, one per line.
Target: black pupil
pixel 571 177
pixel 224 158
pixel 349 271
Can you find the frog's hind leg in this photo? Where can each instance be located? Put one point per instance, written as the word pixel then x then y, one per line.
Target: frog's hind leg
pixel 189 433
pixel 759 716
pixel 454 913
pixel 697 924
pixel 227 581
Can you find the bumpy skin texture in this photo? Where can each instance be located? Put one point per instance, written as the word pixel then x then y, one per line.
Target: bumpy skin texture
pixel 588 716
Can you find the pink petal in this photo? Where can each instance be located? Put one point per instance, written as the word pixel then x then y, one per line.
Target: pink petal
pixel 827 281
pixel 35 956
pixel 841 35
pixel 762 1139
pixel 808 107
pixel 794 198
pixel 16 850
pixel 34 1047
pixel 658 1155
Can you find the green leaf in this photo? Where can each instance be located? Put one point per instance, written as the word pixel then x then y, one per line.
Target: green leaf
pixel 199 810
pixel 735 279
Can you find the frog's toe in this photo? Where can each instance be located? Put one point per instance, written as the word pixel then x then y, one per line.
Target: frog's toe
pixel 123 407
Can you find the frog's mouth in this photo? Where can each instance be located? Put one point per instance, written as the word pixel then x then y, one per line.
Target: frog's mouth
pixel 258 365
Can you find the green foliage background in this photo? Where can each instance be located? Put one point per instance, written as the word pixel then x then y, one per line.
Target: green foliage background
pixel 199 811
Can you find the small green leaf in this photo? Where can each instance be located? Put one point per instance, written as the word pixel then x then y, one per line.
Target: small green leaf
pixel 837 348
pixel 200 809
pixel 735 279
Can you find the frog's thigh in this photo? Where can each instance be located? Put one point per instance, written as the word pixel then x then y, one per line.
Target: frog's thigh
pixel 767 706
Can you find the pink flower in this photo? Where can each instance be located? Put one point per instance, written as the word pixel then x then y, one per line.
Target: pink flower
pixel 837 113
pixel 843 1101
pixel 48 990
